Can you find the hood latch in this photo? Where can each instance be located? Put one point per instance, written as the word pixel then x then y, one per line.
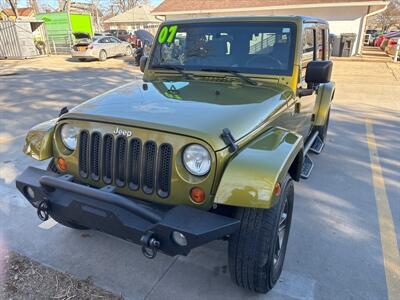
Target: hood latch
pixel 229 140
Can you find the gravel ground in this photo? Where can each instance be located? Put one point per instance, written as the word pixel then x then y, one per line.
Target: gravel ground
pixel 22 278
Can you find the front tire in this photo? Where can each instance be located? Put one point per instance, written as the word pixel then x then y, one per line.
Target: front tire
pixel 52 166
pixel 257 251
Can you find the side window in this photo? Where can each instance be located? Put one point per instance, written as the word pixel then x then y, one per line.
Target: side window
pixel 326 44
pixel 308 47
pixel 320 45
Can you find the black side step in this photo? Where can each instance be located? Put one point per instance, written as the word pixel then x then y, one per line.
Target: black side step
pixel 308 164
pixel 307 167
pixel 317 146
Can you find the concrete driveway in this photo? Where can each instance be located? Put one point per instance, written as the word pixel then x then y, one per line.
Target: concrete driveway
pixel 346 228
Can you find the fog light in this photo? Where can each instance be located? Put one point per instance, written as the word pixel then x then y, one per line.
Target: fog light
pixel 30 192
pixel 179 238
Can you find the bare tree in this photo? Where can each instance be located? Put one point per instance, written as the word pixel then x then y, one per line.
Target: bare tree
pixel 13 4
pixel 120 6
pixel 3 4
pixel 34 5
pixel 390 17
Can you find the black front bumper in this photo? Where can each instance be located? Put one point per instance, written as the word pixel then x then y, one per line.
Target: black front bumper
pixel 148 224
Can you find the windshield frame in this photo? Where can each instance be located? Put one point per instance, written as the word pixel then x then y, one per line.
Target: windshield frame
pixel 242 69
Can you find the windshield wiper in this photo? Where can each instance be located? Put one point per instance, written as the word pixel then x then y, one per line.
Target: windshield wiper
pixel 178 69
pixel 232 72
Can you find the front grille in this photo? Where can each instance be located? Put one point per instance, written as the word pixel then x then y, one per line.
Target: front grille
pixel 126 162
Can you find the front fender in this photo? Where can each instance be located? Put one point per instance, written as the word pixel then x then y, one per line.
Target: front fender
pixel 250 177
pixel 324 99
pixel 38 141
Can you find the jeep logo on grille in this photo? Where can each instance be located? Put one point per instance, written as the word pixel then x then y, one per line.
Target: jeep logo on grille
pixel 122 132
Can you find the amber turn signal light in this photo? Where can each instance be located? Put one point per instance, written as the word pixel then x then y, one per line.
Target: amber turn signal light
pixel 277 189
pixel 198 195
pixel 62 164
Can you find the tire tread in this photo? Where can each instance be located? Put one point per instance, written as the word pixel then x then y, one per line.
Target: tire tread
pixel 249 248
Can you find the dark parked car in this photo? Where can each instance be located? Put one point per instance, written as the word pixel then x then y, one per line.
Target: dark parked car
pixel 143 44
pixel 123 35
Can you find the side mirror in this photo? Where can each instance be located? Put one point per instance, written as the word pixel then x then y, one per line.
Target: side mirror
pixel 143 62
pixel 319 72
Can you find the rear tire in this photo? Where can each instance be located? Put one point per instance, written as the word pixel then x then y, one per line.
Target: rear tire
pixel 102 55
pixel 257 251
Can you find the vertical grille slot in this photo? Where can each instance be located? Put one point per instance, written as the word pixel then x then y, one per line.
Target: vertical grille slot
pixel 135 153
pixel 83 154
pixel 108 148
pixel 164 170
pixel 95 156
pixel 120 161
pixel 149 164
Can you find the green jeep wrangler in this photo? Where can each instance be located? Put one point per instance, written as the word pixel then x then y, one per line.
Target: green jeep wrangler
pixel 206 147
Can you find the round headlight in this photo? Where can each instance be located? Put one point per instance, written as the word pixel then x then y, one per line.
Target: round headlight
pixel 69 136
pixel 197 160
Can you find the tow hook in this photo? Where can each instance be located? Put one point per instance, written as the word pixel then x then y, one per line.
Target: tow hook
pixel 150 245
pixel 43 211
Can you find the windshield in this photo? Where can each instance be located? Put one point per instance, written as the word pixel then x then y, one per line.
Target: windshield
pixel 258 47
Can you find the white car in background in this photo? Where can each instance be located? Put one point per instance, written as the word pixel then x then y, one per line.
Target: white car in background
pixel 99 47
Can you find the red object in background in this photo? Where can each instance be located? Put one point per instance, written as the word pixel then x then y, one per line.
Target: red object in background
pixel 133 40
pixel 379 40
pixel 392 42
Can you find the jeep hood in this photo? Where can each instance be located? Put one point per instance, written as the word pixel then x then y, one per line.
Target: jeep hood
pixel 193 108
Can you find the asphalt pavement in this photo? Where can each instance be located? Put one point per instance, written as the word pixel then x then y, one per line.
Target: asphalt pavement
pixel 346 228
